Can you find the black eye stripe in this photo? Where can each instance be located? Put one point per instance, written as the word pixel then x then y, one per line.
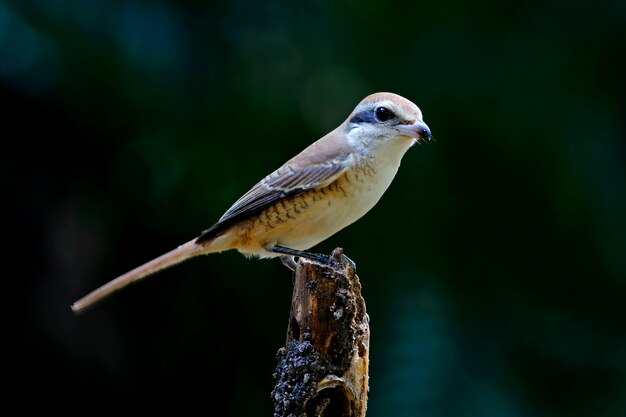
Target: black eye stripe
pixel 366 116
pixel 371 116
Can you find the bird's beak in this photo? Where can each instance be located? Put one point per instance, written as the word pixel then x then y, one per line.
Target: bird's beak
pixel 417 130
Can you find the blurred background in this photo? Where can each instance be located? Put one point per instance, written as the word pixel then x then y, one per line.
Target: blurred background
pixel 494 268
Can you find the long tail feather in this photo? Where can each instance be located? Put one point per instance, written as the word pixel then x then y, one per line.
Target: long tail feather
pixel 181 253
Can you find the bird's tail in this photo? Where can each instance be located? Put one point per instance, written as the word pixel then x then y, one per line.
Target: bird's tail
pixel 173 257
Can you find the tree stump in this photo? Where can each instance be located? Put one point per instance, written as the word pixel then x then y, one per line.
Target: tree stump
pixel 323 369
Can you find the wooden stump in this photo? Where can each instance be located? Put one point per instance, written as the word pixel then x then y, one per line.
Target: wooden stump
pixel 323 369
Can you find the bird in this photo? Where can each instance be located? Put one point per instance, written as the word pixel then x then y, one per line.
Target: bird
pixel 329 185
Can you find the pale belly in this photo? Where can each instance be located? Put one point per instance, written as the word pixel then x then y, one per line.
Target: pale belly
pixel 309 218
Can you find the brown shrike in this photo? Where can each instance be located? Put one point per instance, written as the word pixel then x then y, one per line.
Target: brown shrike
pixel 323 189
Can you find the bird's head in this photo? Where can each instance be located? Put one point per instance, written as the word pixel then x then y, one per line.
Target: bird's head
pixel 384 117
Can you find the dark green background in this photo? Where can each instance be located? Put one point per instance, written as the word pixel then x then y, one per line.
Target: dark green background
pixel 494 268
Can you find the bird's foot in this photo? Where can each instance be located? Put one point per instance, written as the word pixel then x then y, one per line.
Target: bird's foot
pixel 289 262
pixel 339 259
pixel 336 259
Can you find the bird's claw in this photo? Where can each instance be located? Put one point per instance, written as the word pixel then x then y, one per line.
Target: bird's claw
pixel 338 258
pixel 289 262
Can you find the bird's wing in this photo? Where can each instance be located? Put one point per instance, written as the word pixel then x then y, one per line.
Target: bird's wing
pixel 288 180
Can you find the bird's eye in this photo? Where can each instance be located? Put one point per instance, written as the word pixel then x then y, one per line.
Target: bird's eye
pixel 383 114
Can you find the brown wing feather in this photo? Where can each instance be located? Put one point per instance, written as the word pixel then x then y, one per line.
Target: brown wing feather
pixel 285 182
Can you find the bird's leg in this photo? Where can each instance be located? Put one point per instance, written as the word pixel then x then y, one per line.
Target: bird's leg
pixel 317 257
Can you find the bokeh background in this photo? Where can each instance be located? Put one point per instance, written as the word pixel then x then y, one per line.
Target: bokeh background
pixel 494 269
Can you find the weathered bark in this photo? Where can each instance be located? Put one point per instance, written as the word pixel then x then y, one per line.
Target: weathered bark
pixel 323 369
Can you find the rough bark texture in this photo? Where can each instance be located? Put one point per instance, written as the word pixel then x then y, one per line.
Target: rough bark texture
pixel 323 369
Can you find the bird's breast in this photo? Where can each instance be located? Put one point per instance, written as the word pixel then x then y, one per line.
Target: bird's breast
pixel 306 219
pixel 366 183
pixel 319 213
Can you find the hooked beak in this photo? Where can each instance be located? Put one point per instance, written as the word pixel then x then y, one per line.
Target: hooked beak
pixel 417 130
